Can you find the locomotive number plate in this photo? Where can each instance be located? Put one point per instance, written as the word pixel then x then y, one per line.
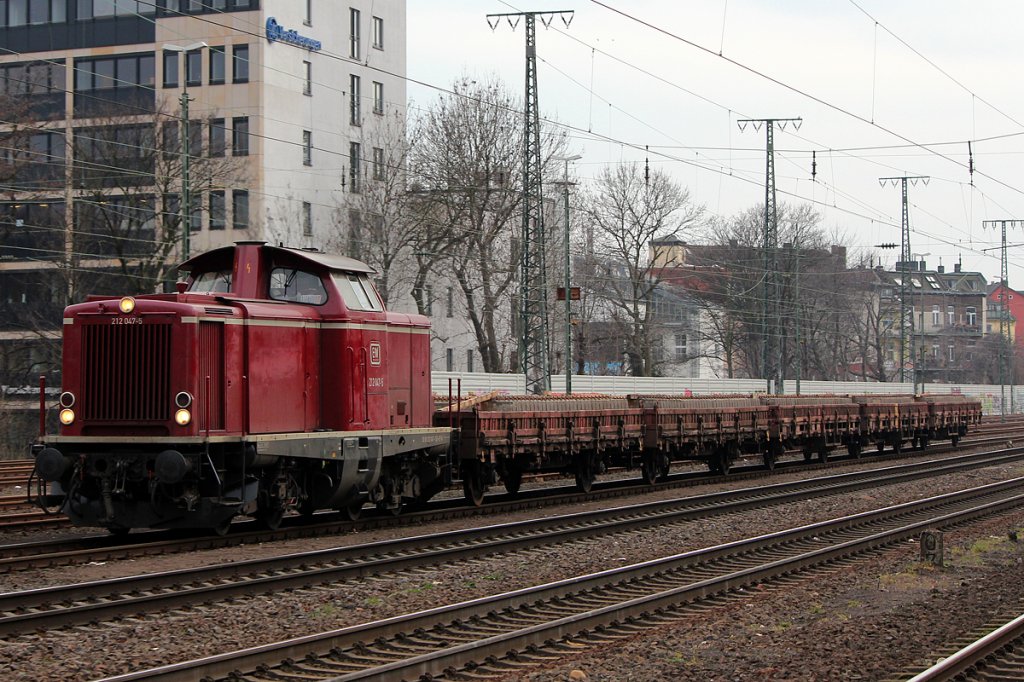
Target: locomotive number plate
pixel 126 320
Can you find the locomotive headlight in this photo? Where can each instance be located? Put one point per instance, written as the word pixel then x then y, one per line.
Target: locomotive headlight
pixel 183 399
pixel 67 399
pixel 182 417
pixel 67 416
pixel 126 305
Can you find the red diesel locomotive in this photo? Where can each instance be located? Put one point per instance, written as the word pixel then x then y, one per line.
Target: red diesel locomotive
pixel 273 380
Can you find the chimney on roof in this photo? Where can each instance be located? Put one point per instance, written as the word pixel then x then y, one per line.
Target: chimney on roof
pixel 942 269
pixel 956 267
pixel 921 266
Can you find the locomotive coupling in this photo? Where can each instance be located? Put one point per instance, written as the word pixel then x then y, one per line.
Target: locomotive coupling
pixel 51 464
pixel 171 466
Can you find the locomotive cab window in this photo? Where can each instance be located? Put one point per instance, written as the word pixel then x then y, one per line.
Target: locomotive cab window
pixel 357 291
pixel 297 286
pixel 213 282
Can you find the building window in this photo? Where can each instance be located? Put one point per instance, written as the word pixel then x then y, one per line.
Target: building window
pixel 240 136
pixel 197 212
pixel 972 316
pixel 680 347
pixel 307 84
pixel 378 33
pixel 936 316
pixel 170 69
pixel 217 65
pixel 194 68
pixel 240 209
pixel 217 137
pixel 378 97
pixel 428 299
pixel 951 357
pixel 195 139
pixel 378 163
pixel 449 303
pixel 355 160
pixel 469 360
pixel 308 21
pixel 171 139
pixel 217 210
pixel 353 50
pixel 354 115
pixel 935 350
pixel 950 315
pixel 307 148
pixel 240 64
pixel 307 219
pixel 449 360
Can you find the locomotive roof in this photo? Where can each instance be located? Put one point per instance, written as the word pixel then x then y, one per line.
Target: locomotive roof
pixel 225 255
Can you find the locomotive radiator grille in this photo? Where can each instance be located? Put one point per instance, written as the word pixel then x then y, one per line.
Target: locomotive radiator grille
pixel 211 364
pixel 126 372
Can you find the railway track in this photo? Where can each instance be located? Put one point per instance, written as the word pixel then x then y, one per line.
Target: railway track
pixel 26 518
pixel 500 635
pixel 42 554
pixel 994 657
pixel 68 605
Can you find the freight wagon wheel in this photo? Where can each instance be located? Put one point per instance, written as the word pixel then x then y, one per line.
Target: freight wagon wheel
pixel 853 449
pixel 473 487
pixel 769 460
pixel 119 531
pixel 649 468
pixel 823 455
pixel 512 479
pixel 585 473
pixel 955 440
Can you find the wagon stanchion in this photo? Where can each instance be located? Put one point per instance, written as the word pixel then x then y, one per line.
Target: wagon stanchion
pixel 42 406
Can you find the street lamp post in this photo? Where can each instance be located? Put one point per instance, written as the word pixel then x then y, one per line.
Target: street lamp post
pixel 918 372
pixel 568 308
pixel 185 205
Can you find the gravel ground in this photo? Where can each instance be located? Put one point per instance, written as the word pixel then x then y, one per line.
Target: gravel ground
pixel 867 620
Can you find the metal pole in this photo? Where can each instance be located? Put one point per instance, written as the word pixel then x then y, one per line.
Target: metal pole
pixel 568 297
pixel 186 193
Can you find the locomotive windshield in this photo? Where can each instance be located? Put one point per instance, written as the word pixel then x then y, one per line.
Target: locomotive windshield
pixel 214 282
pixel 357 291
pixel 297 286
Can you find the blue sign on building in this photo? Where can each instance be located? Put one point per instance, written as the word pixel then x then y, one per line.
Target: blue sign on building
pixel 276 31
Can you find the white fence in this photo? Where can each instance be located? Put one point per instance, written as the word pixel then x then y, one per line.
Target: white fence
pixel 991 396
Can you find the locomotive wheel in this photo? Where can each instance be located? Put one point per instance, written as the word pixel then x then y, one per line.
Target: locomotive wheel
pixel 119 531
pixel 354 510
pixel 513 479
pixel 472 483
pixel 222 528
pixel 270 518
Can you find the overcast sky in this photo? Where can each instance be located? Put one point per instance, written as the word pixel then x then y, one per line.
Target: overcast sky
pixel 902 96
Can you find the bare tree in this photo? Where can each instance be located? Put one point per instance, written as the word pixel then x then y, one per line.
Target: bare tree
pixel 127 173
pixel 819 294
pixel 628 208
pixel 382 214
pixel 468 166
